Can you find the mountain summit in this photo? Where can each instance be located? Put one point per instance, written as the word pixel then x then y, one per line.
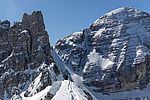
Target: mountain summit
pixel 24 49
pixel 113 55
pixel 120 15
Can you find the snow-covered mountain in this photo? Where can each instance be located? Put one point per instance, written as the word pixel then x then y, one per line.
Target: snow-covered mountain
pixel 113 54
pixel 110 60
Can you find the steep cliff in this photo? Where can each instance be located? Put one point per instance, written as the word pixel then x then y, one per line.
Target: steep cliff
pixel 24 53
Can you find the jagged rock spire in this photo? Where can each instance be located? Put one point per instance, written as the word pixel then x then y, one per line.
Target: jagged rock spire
pixel 24 48
pixel 34 21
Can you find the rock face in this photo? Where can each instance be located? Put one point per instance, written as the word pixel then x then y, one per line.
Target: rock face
pixel 113 54
pixel 24 53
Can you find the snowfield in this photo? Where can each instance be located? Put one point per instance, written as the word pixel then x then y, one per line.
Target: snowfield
pixel 69 91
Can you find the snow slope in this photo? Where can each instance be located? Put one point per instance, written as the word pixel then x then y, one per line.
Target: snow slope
pixel 97 59
pixel 69 91
pixel 62 90
pixel 74 77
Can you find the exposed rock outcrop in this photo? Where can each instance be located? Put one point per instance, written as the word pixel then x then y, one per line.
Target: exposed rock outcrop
pixel 24 53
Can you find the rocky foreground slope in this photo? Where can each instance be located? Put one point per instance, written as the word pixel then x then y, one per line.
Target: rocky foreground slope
pixel 113 54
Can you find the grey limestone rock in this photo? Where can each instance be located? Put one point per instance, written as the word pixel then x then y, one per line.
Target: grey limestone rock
pixel 24 48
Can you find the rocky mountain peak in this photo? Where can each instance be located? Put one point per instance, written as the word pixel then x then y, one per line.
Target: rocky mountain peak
pixel 120 16
pixel 113 54
pixel 5 24
pixel 34 21
pixel 127 11
pixel 24 49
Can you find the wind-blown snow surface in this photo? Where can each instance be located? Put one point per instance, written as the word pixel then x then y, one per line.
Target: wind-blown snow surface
pixel 69 91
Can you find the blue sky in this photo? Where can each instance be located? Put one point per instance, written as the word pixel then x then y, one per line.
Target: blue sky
pixel 63 17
